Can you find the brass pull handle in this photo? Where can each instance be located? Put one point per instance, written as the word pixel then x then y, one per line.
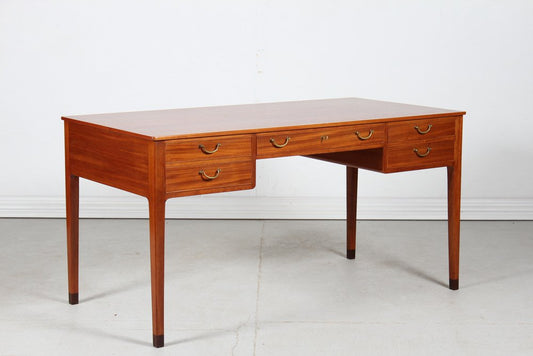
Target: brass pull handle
pixel 422 155
pixel 277 145
pixel 370 133
pixel 208 177
pixel 206 151
pixel 423 132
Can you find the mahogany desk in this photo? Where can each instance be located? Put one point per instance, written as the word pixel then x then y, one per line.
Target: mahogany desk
pixel 173 153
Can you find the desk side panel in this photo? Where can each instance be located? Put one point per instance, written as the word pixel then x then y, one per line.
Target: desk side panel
pixel 108 157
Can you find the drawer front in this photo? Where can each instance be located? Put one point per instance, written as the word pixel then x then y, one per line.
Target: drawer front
pixel 418 155
pixel 423 129
pixel 322 140
pixel 210 175
pixel 209 148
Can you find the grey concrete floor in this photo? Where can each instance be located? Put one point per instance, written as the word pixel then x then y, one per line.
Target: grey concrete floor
pixel 268 288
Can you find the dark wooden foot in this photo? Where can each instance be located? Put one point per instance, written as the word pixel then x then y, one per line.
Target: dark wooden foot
pixel 73 298
pixel 454 284
pixel 159 340
pixel 350 254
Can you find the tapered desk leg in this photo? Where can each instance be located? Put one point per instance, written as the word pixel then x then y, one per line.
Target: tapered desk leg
pixel 351 210
pixel 72 200
pixel 454 220
pixel 157 262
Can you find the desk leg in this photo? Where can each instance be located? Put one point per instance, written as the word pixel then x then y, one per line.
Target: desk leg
pixel 454 220
pixel 157 262
pixel 72 199
pixel 351 210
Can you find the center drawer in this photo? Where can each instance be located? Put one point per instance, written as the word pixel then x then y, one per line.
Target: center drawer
pixel 321 140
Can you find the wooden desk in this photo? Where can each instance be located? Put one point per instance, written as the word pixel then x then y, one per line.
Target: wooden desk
pixel 172 153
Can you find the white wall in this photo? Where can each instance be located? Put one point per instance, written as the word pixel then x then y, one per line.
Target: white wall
pixel 74 57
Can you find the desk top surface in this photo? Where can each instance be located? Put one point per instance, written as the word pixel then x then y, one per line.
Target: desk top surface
pixel 255 118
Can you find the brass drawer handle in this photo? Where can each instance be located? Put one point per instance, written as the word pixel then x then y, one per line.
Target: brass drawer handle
pixel 422 155
pixel 205 176
pixel 370 133
pixel 425 131
pixel 277 145
pixel 206 151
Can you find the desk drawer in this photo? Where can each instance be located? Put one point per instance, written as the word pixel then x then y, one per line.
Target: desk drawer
pixel 417 155
pixel 209 148
pixel 210 176
pixel 423 129
pixel 322 140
